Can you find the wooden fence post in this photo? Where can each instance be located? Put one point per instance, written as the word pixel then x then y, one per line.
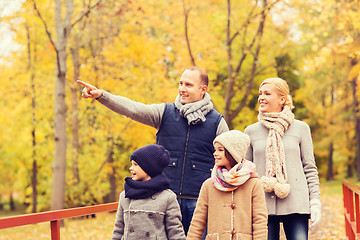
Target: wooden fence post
pixel 55 230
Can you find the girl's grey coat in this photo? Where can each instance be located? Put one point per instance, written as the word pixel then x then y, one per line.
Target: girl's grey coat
pixel 157 217
pixel 300 165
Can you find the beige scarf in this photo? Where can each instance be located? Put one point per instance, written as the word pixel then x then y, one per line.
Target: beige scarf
pixel 276 174
pixel 195 112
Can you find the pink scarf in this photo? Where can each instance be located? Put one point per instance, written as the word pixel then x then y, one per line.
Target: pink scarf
pixel 226 181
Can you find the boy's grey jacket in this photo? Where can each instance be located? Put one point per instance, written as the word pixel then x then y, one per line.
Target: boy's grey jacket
pixel 300 165
pixel 157 217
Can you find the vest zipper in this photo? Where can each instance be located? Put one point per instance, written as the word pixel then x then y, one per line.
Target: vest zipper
pixel 183 167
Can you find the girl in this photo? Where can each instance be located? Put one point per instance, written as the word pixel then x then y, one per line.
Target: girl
pixel 281 147
pixel 231 203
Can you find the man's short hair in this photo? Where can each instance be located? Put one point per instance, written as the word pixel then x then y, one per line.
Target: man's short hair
pixel 204 78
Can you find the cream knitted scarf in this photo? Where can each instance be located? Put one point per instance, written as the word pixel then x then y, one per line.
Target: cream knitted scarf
pixel 195 112
pixel 226 181
pixel 276 174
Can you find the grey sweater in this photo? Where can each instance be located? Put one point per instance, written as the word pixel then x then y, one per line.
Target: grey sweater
pixel 300 165
pixel 148 114
pixel 157 217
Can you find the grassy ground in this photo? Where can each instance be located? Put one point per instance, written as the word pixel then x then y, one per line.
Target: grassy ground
pixel 20 209
pixel 330 227
pixel 332 187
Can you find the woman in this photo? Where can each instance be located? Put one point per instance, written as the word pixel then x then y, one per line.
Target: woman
pixel 281 148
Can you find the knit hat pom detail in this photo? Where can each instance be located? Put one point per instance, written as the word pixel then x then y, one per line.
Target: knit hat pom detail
pixel 268 183
pixel 282 190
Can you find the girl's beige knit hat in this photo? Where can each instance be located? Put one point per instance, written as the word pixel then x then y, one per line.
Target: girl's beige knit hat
pixel 235 142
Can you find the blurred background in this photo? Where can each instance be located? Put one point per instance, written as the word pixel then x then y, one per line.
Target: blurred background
pixel 58 150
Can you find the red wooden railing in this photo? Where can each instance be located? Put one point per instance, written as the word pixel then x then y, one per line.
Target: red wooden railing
pixel 351 194
pixel 54 217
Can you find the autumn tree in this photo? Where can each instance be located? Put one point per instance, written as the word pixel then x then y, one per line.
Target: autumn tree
pixel 63 26
pixel 328 40
pixel 138 49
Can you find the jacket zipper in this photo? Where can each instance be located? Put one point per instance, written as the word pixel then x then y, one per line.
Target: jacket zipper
pixel 232 215
pixel 183 167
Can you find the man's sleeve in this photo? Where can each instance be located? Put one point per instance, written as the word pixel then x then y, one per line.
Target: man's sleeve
pixel 150 115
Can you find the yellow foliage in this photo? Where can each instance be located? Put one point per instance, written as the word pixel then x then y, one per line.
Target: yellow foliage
pixel 138 49
pixel 354 72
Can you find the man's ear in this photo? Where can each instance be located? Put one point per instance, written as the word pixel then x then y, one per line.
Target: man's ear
pixel 203 89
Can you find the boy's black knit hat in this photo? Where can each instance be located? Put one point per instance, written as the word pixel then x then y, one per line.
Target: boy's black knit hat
pixel 152 158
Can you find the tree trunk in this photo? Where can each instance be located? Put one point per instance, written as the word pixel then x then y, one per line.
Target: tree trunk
pixel 186 15
pixel 330 173
pixel 112 196
pixel 11 202
pixel 34 186
pixel 230 79
pixel 75 112
pixel 1 204
pixel 62 32
pixel 59 168
pixel 33 131
pixel 34 155
pixel 350 166
pixel 356 120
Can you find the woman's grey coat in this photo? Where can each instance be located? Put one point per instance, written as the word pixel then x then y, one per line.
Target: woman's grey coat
pixel 157 217
pixel 300 165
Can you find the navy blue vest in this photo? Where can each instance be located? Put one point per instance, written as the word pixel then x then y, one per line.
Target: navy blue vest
pixel 191 149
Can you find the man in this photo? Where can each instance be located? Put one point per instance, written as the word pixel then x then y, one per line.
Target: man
pixel 186 128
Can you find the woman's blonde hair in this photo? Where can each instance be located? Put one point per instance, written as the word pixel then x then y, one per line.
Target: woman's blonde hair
pixel 282 89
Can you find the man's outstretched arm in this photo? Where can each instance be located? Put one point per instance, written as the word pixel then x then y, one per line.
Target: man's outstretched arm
pixel 150 115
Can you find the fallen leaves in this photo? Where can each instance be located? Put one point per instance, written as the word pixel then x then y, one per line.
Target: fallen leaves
pixel 332 224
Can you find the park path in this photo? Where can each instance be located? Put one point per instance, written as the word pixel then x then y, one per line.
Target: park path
pixel 332 225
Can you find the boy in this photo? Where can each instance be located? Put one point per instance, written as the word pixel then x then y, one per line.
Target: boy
pixel 147 208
